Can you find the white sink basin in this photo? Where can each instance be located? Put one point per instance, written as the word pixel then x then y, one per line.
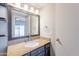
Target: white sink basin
pixel 31 44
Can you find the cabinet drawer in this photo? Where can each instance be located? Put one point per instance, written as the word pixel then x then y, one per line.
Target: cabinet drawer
pixel 47 51
pixel 37 51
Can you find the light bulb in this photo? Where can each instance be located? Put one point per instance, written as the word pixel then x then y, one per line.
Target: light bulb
pixel 26 7
pixel 32 9
pixel 36 11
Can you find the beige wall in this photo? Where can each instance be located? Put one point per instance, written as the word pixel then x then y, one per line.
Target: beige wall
pixel 47 18
pixel 67 29
pixel 62 21
pixel 47 22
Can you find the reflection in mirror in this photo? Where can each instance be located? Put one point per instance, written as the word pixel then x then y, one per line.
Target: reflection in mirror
pixel 19 27
pixel 24 24
pixel 34 25
pixel 20 24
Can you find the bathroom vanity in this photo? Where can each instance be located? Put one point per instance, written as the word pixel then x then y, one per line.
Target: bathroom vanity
pixel 40 51
pixel 23 25
pixel 20 49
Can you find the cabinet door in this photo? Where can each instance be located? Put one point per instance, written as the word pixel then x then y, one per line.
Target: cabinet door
pixel 47 52
pixel 3 12
pixel 41 54
pixel 37 51
pixel 47 49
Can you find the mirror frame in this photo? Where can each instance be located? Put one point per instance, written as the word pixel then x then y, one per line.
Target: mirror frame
pixel 10 8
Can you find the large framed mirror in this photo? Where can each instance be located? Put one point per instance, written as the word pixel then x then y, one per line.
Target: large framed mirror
pixel 24 24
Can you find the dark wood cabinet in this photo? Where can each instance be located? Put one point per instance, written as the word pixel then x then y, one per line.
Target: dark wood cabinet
pixel 37 51
pixel 47 49
pixel 41 51
pixel 41 54
pixel 27 54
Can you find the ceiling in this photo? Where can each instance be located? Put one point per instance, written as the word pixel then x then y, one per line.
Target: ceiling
pixel 38 5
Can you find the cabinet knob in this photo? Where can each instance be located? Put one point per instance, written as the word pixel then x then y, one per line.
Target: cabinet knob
pixel 39 51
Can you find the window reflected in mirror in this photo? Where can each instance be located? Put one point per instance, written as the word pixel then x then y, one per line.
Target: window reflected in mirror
pixel 20 24
pixel 19 27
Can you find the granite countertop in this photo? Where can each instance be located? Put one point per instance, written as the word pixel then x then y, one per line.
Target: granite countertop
pixel 19 49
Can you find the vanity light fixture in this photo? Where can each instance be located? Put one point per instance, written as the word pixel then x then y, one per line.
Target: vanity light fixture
pixel 25 7
pixel 11 4
pixel 18 5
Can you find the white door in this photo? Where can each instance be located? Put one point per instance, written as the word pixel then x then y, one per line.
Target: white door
pixel 67 30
